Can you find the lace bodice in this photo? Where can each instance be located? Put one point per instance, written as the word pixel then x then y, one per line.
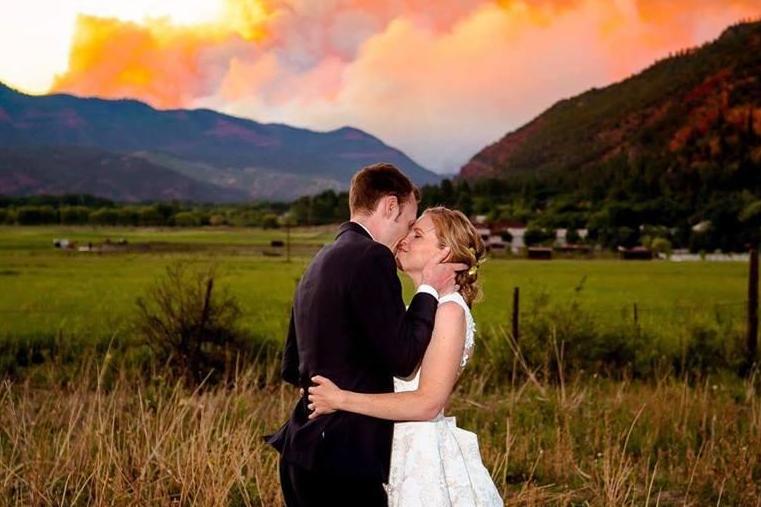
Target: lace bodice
pixel 434 462
pixel 470 325
pixel 411 383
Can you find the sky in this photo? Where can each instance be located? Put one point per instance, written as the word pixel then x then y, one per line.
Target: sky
pixel 438 79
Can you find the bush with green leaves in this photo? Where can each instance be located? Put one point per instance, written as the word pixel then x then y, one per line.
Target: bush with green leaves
pixel 535 235
pixel 36 215
pixel 572 236
pixel 661 245
pixel 563 333
pixel 187 219
pixel 151 216
pixel 217 219
pixel 104 216
pixel 128 216
pixel 74 215
pixel 270 221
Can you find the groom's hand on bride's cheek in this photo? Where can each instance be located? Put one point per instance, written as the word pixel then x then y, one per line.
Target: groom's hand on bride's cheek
pixel 441 275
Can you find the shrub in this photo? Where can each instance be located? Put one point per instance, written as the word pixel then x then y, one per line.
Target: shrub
pixel 74 215
pixel 187 219
pixel 10 216
pixel 247 218
pixel 217 219
pixel 104 216
pixel 150 215
pixel 35 215
pixel 661 245
pixel 535 235
pixel 128 216
pixel 270 221
pixel 706 343
pixel 189 326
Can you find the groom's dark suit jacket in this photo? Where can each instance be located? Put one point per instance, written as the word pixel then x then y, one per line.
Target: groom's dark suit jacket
pixel 349 324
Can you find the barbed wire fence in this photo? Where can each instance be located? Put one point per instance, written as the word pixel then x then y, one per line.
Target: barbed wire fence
pixel 635 312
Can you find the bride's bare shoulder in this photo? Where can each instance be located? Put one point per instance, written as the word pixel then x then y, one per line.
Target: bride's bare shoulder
pixel 449 313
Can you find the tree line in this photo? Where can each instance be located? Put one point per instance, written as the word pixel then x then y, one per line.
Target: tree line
pixel 617 207
pixel 89 210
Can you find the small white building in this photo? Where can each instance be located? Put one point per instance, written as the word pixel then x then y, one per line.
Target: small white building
pixel 491 234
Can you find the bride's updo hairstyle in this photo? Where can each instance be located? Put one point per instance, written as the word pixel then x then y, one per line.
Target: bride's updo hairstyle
pixel 453 229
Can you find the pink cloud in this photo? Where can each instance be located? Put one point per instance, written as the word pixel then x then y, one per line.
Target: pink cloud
pixel 439 81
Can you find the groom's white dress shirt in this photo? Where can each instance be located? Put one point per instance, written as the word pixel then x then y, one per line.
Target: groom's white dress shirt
pixel 424 287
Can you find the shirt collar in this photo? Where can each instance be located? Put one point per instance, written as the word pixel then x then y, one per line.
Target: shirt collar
pixel 365 228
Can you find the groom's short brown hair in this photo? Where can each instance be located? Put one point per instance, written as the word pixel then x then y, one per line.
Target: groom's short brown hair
pixel 373 182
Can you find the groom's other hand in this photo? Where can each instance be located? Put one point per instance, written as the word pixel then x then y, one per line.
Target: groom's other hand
pixel 441 275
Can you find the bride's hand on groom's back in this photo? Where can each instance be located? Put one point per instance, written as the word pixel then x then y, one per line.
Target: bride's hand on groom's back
pixel 324 397
pixel 441 275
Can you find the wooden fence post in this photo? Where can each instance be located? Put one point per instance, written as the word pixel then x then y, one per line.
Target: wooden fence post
pixel 516 308
pixel 752 337
pixel 288 241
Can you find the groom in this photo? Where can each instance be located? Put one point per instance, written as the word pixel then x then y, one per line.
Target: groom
pixel 349 323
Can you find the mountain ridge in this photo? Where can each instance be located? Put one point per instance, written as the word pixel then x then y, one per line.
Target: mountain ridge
pixel 645 114
pixel 264 161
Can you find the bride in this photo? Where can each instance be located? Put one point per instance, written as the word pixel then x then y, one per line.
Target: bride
pixel 433 462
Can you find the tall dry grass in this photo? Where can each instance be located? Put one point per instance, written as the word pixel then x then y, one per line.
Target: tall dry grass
pixel 122 441
pixel 110 438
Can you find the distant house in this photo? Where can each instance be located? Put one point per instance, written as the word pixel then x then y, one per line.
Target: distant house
pixel 484 232
pixel 510 234
pixel 517 232
pixel 501 234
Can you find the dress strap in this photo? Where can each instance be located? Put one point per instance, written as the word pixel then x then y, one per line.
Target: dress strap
pixel 470 330
pixel 457 298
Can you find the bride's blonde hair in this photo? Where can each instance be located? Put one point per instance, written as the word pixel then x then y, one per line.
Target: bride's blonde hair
pixel 453 229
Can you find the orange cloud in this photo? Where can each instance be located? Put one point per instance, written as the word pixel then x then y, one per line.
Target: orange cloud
pixel 439 82
pixel 157 62
pixel 166 65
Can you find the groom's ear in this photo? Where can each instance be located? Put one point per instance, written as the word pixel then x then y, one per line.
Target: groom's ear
pixel 389 206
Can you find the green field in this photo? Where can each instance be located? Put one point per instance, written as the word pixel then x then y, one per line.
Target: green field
pixel 101 433
pixel 91 294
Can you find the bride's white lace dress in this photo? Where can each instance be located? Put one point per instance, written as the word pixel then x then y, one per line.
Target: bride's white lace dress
pixel 435 463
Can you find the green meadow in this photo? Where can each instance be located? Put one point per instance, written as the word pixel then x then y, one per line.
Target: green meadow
pixel 46 290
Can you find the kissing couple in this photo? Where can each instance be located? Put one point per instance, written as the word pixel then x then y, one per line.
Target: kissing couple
pixel 374 377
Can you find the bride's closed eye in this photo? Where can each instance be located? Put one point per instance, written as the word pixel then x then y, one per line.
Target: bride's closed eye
pixel 418 233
